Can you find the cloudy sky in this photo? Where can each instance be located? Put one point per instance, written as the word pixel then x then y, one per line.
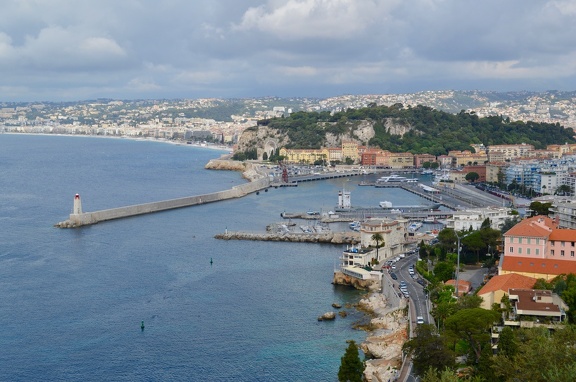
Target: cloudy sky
pixel 124 49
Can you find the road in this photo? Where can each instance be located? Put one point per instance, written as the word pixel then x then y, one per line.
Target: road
pixel 415 290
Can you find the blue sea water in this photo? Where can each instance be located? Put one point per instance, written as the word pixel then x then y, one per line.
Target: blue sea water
pixel 72 300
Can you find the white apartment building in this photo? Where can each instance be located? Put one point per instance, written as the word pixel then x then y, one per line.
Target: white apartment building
pixel 463 220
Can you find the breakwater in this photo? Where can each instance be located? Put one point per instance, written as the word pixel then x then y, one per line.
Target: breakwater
pixel 79 218
pixel 325 237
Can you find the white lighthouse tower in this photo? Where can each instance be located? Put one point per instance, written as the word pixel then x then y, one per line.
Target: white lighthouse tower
pixel 77 205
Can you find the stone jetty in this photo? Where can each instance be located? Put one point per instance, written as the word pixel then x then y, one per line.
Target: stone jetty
pixel 325 237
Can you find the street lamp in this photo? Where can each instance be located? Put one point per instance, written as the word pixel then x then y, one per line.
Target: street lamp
pixel 458 261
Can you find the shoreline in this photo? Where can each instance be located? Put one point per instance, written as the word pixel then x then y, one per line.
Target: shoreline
pixel 136 139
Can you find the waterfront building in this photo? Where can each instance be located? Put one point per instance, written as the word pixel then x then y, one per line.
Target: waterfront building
pixel 466 157
pixel 480 170
pixel 537 247
pixel 419 159
pixel 393 232
pixel 500 153
pixel 473 218
pixel 350 150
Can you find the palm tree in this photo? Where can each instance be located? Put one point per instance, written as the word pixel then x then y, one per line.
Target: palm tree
pixel 377 237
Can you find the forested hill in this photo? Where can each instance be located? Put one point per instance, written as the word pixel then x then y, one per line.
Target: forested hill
pixel 419 129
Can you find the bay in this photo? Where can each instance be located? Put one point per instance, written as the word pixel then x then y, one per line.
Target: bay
pixel 72 300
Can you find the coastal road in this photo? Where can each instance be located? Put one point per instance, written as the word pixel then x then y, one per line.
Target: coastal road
pixel 415 290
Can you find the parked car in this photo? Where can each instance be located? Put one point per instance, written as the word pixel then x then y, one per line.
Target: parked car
pixel 419 320
pixel 393 275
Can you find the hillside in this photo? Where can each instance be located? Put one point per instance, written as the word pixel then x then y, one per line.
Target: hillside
pixel 419 129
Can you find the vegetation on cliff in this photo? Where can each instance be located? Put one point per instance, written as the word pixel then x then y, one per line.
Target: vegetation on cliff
pixel 419 129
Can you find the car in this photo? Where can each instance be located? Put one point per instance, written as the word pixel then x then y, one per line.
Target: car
pixel 394 267
pixel 402 255
pixel 393 275
pixel 411 271
pixel 419 320
pixel 403 283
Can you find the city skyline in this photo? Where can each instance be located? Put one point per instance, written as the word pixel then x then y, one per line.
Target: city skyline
pixel 64 50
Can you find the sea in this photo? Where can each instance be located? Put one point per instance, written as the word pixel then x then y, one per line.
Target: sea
pixel 72 301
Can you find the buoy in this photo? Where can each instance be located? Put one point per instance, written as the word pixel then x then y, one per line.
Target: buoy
pixel 266 190
pixel 211 261
pixel 142 326
pixel 257 192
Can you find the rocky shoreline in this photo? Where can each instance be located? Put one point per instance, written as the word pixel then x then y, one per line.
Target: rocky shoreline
pixel 387 332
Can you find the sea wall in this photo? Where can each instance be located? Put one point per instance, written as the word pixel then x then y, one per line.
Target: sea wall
pixel 325 237
pixel 87 218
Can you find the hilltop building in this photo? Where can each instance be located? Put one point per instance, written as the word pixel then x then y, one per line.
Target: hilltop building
pixel 537 247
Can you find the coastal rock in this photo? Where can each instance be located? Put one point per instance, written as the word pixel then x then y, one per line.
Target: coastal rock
pixel 223 164
pixel 384 343
pixel 328 316
pixel 336 305
pixel 342 279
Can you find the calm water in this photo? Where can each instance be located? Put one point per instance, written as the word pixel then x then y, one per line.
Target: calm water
pixel 71 301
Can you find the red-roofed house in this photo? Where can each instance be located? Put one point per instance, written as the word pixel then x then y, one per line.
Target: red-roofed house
pixel 542 304
pixel 536 247
pixel 464 286
pixel 498 286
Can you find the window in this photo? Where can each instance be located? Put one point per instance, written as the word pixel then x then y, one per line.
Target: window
pixel 563 243
pixel 552 252
pixel 537 241
pixel 552 243
pixel 571 253
pixel 538 251
pixel 528 250
pixel 519 240
pixel 519 250
pixel 562 253
pixel 511 249
pixel 528 240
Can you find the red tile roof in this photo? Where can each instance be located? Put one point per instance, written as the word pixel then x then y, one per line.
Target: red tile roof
pixel 563 235
pixel 507 281
pixel 538 226
pixel 542 266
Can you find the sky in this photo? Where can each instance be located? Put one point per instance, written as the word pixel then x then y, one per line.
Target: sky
pixel 70 50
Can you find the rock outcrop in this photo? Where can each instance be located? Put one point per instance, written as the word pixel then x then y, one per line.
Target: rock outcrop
pixel 342 279
pixel 386 338
pixel 328 316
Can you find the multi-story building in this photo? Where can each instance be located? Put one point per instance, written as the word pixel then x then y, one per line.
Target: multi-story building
pixel 463 220
pixel 501 153
pixel 466 157
pixel 350 150
pixel 393 232
pixel 537 247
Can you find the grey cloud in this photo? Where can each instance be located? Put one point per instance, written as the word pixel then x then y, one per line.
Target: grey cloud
pixel 181 48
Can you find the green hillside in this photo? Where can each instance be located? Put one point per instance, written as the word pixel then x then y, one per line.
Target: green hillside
pixel 430 131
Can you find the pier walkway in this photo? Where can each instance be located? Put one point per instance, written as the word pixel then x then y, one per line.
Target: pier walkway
pixel 79 218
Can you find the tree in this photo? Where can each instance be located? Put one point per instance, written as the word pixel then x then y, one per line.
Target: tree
pixel 472 176
pixel 377 237
pixel 443 270
pixel 428 350
pixel 472 326
pixel 351 367
pixel 564 190
pixel 539 208
pixel 507 345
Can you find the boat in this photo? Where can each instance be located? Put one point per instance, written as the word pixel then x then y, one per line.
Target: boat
pixel 389 207
pixel 414 226
pixel 355 226
pixel 394 178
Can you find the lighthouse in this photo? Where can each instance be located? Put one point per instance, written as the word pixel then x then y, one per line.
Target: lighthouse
pixel 77 205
